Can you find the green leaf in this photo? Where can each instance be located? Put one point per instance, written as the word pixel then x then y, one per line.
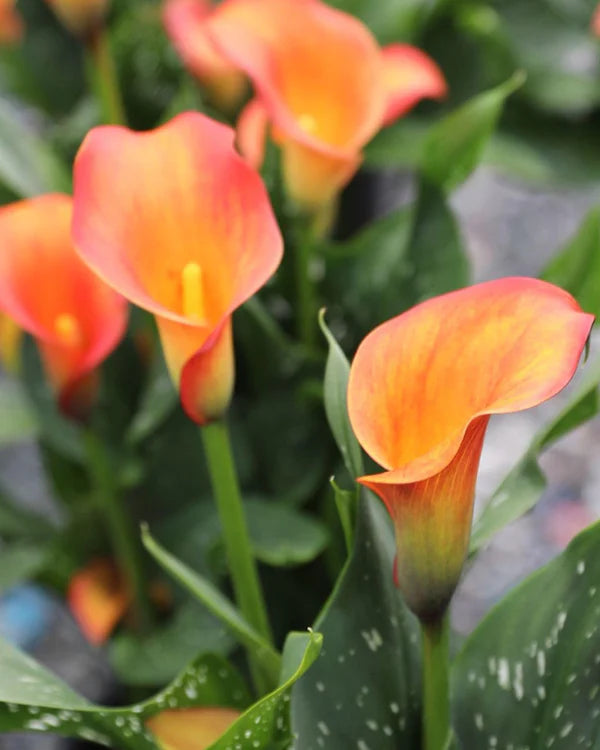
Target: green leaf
pixel 32 699
pixel 400 145
pixel 265 725
pixel 216 603
pixel 576 267
pixel 19 421
pixel 528 674
pixel 16 521
pixel 282 536
pixel 337 371
pixel 455 145
pixel 156 659
pixel 21 561
pixel 364 690
pixel 346 502
pixel 27 166
pixel 436 253
pixel 158 400
pixel 523 486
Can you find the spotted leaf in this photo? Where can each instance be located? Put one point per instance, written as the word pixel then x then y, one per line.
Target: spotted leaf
pixel 363 691
pixel 529 676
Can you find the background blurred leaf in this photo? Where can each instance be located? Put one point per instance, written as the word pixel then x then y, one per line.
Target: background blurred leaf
pixel 523 486
pixel 282 536
pixel 19 421
pixel 21 561
pixel 528 674
pixel 27 166
pixel 576 267
pixel 455 144
pixel 364 690
pixel 156 659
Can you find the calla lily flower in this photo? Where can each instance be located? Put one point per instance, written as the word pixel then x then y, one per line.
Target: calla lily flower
pixel 48 291
pixel 98 598
pixel 421 390
pixel 11 23
pixel 81 17
pixel 324 83
pixel 185 23
pixel 186 232
pixel 191 728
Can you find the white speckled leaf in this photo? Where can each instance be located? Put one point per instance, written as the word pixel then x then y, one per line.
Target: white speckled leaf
pixel 266 725
pixel 363 693
pixel 33 699
pixel 529 676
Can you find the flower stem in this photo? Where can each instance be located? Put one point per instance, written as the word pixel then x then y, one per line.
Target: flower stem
pixel 242 565
pixel 127 547
pixel 103 77
pixel 436 699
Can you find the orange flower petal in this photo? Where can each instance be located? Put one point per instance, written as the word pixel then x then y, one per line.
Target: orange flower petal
pixel 420 391
pixel 80 16
pixel 186 232
pixel 318 72
pixel 50 292
pixel 418 380
pixel 11 23
pixel 98 599
pixel 596 21
pixel 410 76
pixel 191 728
pixel 251 133
pixel 185 23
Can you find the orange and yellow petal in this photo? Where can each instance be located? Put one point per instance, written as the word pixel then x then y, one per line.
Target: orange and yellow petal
pixel 11 23
pixel 421 389
pixel 418 380
pixel 191 728
pixel 81 17
pixel 185 23
pixel 98 598
pixel 287 47
pixel 251 133
pixel 186 232
pixel 49 292
pixel 410 75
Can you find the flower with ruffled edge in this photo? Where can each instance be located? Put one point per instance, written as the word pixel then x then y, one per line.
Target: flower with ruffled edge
pixel 178 223
pixel 422 388
pixel 322 83
pixel 76 319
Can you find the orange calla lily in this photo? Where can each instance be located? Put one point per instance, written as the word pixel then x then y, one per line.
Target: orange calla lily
pixel 48 291
pixel 191 728
pixel 81 17
pixel 422 388
pixel 185 23
pixel 186 232
pixel 11 23
pixel 326 85
pixel 98 598
pixel 596 21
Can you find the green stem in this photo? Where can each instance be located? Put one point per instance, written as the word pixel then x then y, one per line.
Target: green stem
pixel 242 565
pixel 103 77
pixel 127 546
pixel 305 298
pixel 436 698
